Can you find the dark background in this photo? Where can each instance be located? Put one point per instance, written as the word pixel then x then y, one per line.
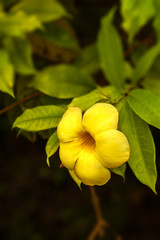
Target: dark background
pixel 42 203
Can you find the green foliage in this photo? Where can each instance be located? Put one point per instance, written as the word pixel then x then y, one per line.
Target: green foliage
pixel 135 15
pixel 142 156
pixel 41 49
pixel 20 54
pixel 112 93
pixel 45 11
pixel 86 101
pixel 17 24
pixel 111 52
pixel 146 105
pixel 55 34
pixel 152 84
pixel 145 62
pixel 128 70
pixel 108 94
pixel 120 170
pixel 63 81
pixel 88 59
pixel 40 118
pixel 6 73
pixel 52 146
pixel 156 21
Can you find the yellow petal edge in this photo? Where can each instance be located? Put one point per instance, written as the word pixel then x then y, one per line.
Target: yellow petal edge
pixel 70 125
pixel 112 148
pixel 99 118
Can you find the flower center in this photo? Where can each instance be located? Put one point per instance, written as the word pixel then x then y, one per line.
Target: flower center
pixel 88 142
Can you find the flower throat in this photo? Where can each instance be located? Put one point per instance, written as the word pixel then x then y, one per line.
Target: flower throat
pixel 88 142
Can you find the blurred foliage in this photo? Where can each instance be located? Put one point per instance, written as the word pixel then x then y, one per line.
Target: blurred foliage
pixel 55 54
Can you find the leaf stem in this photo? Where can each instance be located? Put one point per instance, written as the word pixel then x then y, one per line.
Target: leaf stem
pixel 36 94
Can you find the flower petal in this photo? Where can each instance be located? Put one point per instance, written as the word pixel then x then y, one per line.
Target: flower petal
pixel 70 125
pixel 69 153
pixel 90 171
pixel 100 117
pixel 75 178
pixel 112 148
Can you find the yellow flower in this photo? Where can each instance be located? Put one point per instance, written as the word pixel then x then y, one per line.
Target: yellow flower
pixel 90 144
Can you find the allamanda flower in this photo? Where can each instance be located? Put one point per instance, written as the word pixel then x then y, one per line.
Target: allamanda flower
pixel 91 144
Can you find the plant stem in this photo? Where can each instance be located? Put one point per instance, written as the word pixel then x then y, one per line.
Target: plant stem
pixel 19 102
pixel 99 228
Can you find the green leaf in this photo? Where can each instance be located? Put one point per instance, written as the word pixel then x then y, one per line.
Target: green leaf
pixel 111 52
pixel 47 100
pixel 156 21
pixel 17 24
pixel 152 80
pixel 45 11
pixel 57 35
pixel 20 55
pixel 6 73
pixel 135 15
pixel 40 118
pixel 145 104
pixel 155 69
pixel 51 146
pixel 111 93
pixel 63 81
pixel 30 136
pixel 152 84
pixel 108 94
pixel 88 59
pixel 142 156
pixel 86 101
pixel 145 63
pixel 120 170
pixel 128 70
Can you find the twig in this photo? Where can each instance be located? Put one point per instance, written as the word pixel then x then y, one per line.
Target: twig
pixel 96 203
pixel 19 102
pixel 99 228
pixel 101 223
